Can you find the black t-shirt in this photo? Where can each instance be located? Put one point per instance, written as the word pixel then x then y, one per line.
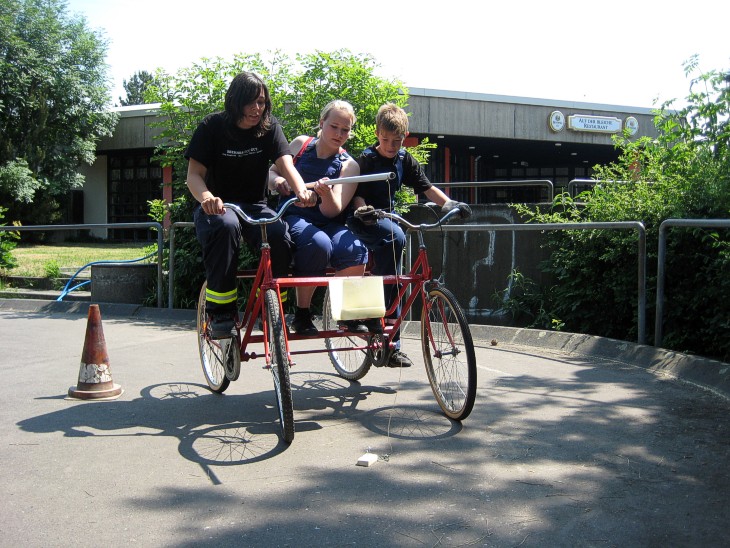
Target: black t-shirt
pixel 237 161
pixel 381 194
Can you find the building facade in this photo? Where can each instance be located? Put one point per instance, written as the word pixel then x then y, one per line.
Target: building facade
pixel 482 140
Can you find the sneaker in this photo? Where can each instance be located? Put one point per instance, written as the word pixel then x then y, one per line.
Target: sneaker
pixel 353 326
pixel 222 326
pixel 303 324
pixel 399 359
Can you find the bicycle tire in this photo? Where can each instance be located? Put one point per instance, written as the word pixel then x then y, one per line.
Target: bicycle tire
pixel 349 364
pixel 214 353
pixel 279 364
pixel 448 352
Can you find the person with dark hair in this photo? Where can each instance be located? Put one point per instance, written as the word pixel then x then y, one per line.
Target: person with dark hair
pixel 229 156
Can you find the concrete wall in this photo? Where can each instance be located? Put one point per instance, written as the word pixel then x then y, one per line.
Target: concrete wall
pixel 476 265
pixel 439 112
pixel 479 115
pixel 95 194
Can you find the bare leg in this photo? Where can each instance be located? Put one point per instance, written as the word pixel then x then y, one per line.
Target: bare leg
pixel 357 270
pixel 304 296
pixel 304 293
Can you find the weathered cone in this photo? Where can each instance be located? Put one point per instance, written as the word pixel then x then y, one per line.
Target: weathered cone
pixel 95 374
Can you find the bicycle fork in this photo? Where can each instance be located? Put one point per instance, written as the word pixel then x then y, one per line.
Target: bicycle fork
pixel 438 353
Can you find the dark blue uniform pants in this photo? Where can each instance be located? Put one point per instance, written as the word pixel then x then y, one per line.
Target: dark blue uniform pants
pixel 220 239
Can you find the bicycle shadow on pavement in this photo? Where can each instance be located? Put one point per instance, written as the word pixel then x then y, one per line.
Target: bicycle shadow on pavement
pixel 209 426
pixel 317 391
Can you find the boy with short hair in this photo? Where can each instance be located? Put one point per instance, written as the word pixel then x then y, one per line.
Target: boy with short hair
pixel 384 238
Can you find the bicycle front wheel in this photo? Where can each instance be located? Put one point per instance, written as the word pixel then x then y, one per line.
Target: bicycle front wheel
pixel 279 364
pixel 448 352
pixel 349 364
pixel 215 355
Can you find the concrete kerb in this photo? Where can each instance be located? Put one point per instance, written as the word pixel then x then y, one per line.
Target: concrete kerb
pixel 709 374
pixel 39 306
pixel 712 375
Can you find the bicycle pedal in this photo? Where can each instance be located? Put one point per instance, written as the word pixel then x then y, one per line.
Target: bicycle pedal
pixel 232 365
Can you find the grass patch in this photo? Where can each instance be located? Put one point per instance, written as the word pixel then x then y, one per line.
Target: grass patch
pixel 35 260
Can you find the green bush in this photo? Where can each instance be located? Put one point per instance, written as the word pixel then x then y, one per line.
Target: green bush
pixel 7 244
pixel 684 174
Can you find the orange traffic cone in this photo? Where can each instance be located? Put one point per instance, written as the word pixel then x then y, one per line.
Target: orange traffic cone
pixel 95 375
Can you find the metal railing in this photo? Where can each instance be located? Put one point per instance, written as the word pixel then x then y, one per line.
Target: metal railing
pixel 620 225
pixel 52 228
pixel 661 260
pixel 636 225
pixel 572 185
pixel 593 182
pixel 641 275
pixel 521 183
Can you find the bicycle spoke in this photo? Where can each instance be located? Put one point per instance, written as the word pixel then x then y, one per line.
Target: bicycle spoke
pixel 448 353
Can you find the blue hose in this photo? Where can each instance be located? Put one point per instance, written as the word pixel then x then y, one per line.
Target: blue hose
pixel 67 290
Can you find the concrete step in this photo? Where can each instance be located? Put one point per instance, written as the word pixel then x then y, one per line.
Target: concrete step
pixel 68 271
pixel 43 283
pixel 43 294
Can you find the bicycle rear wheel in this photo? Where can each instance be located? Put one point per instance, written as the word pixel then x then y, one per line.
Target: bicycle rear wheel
pixel 448 352
pixel 349 364
pixel 216 355
pixel 279 364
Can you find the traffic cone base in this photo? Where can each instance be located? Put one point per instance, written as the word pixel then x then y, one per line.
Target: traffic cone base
pixel 96 392
pixel 95 374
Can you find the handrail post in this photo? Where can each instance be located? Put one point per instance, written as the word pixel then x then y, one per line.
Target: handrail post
pixel 642 283
pixel 659 309
pixel 160 243
pixel 171 268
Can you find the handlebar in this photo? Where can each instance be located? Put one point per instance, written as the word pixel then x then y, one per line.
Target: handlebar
pixel 342 180
pixel 242 215
pixel 382 214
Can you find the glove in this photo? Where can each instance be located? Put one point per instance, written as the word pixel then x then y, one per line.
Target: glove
pixel 367 215
pixel 464 209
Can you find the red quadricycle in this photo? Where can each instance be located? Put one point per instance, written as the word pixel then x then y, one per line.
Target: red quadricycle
pixel 446 341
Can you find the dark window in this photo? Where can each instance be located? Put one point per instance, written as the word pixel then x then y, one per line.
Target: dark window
pixel 133 180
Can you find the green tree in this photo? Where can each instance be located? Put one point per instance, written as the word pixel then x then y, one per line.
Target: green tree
pixel 7 244
pixel 136 87
pixel 337 75
pixel 298 90
pixel 684 173
pixel 53 105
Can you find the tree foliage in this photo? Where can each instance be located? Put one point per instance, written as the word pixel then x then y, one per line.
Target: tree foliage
pixel 136 87
pixel 299 89
pixel 53 103
pixel 684 174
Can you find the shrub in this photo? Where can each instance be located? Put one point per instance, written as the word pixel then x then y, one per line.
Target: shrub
pixel 685 173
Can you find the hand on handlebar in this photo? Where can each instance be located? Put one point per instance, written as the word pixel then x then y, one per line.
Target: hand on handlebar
pixel 367 215
pixel 307 198
pixel 281 186
pixel 212 205
pixel 464 209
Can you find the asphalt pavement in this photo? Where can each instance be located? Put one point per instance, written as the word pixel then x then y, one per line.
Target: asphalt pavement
pixel 573 441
